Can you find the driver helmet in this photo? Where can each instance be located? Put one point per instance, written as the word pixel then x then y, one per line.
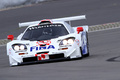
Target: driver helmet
pixel 47 31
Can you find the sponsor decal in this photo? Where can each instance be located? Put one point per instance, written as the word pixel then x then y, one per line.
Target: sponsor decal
pixel 41 47
pixel 47 42
pixel 10 50
pixel 77 41
pixel 44 26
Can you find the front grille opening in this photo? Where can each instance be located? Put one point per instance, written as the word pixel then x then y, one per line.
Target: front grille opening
pixel 43 52
pixel 56 56
pixel 29 59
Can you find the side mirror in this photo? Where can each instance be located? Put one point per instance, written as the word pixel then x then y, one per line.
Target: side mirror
pixel 10 37
pixel 79 29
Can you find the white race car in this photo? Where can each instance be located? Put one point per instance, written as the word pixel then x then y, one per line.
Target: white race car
pixel 48 39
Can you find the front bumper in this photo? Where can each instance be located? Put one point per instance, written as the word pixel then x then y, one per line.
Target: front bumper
pixel 35 59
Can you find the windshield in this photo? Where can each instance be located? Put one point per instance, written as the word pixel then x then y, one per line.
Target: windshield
pixel 44 32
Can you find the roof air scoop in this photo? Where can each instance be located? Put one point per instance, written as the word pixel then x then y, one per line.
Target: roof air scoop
pixel 46 21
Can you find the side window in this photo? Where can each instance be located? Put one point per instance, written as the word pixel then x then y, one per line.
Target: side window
pixel 20 36
pixel 26 35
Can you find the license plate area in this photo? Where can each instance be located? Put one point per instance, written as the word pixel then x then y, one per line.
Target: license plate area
pixel 43 56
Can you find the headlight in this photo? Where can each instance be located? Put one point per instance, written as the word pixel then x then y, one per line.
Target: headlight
pixel 70 41
pixel 16 48
pixel 64 42
pixel 22 47
pixel 19 47
pixel 67 41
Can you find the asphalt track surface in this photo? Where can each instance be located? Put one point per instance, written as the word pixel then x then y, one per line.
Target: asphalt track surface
pixel 103 63
pixel 104 60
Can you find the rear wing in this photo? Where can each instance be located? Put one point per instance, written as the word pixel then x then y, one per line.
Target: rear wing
pixel 72 18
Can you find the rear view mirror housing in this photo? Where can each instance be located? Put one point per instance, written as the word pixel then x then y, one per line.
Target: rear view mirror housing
pixel 10 37
pixel 79 29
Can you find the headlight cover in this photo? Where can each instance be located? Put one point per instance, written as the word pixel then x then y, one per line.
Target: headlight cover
pixel 67 41
pixel 19 47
